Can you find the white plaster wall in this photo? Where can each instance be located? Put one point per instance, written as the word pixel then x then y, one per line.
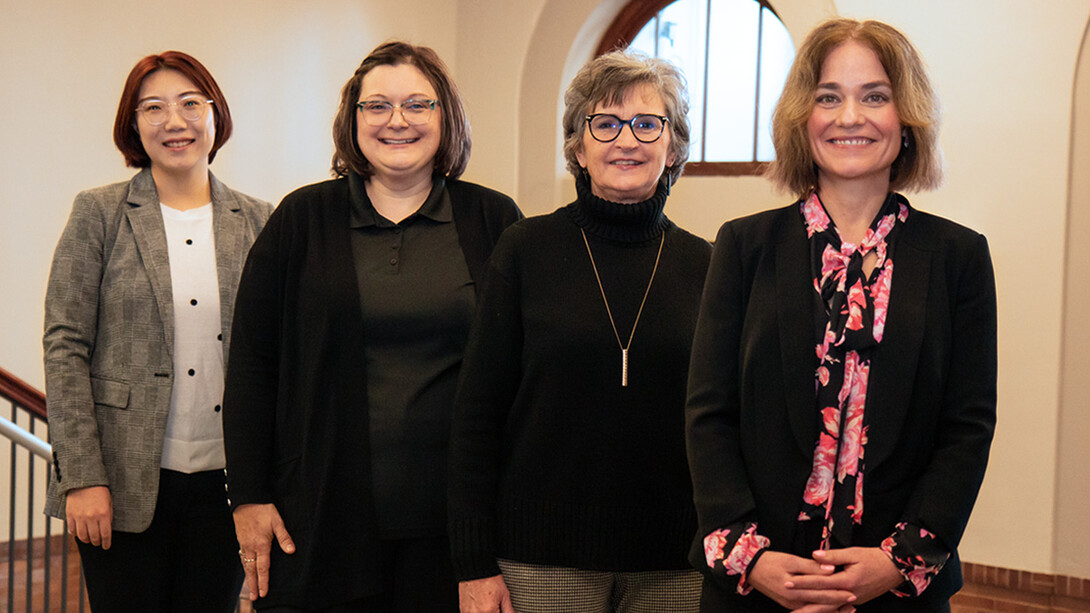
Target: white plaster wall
pixel 1072 551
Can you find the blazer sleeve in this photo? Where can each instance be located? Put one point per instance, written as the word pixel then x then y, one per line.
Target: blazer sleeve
pixel 712 413
pixel 252 384
pixel 944 496
pixel 71 330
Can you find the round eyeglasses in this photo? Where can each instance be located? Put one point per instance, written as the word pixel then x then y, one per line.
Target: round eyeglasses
pixel 379 112
pixel 605 128
pixel 190 108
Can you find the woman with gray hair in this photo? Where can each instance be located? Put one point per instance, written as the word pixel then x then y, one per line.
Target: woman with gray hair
pixel 568 469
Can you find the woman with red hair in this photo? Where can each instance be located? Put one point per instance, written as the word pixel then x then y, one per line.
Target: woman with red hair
pixel 137 321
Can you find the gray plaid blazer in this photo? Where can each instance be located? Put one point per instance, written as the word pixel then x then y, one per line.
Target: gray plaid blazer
pixel 109 337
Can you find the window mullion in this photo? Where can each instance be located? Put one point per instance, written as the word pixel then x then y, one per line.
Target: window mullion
pixel 757 90
pixel 707 59
pixel 658 33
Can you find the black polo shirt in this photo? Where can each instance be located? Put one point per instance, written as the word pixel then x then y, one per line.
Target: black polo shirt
pixel 417 303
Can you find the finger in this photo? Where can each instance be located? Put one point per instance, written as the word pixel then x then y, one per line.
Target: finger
pixel 817 608
pixel 106 533
pixel 249 570
pixel 825 581
pixel 836 557
pixel 93 534
pixel 262 566
pixel 795 565
pixel 251 579
pixel 81 531
pixel 835 598
pixel 283 538
pixel 505 604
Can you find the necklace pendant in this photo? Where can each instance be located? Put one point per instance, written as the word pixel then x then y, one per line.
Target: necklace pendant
pixel 624 367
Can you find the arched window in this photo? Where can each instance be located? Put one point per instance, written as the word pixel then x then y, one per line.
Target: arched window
pixel 735 55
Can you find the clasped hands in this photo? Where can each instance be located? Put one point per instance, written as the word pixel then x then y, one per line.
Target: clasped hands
pixel 832 581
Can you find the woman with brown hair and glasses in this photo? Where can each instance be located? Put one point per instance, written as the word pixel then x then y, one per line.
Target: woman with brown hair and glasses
pixel 352 316
pixel 137 322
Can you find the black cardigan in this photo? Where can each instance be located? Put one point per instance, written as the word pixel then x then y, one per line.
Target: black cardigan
pixel 295 404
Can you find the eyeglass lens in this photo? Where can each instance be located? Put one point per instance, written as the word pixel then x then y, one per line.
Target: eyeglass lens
pixel 378 112
pixel 190 108
pixel 646 128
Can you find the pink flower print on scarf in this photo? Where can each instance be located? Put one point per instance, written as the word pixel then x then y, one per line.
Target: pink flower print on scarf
pixel 817 220
pixel 880 290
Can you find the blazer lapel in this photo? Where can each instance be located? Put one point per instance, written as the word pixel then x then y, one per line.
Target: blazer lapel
pixel 892 376
pixel 229 229
pixel 146 221
pixel 795 308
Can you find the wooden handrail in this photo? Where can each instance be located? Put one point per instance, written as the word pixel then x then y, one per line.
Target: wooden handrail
pixel 22 394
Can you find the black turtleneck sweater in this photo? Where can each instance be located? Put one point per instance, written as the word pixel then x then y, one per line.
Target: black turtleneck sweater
pixel 552 460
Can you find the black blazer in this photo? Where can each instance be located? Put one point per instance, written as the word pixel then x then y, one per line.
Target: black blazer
pixel 751 419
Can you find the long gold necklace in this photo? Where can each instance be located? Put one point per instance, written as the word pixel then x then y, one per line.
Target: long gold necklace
pixel 624 347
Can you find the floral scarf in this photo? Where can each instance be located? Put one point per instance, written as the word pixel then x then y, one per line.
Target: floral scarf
pixel 855 307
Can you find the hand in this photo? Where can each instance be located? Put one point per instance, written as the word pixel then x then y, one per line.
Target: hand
pixel 89 512
pixel 866 572
pixel 777 574
pixel 256 525
pixel 488 595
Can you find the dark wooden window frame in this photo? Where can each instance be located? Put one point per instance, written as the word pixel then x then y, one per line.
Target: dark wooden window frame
pixel 632 18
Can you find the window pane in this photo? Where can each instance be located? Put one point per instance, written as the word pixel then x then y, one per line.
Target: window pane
pixel 734 110
pixel 645 40
pixel 732 80
pixel 777 53
pixel 681 41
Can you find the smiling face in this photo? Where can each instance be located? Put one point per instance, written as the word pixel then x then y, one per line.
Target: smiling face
pixel 397 150
pixel 176 146
pixel 854 130
pixel 625 170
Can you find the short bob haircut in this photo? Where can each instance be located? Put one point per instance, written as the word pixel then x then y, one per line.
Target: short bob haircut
pixel 126 136
pixel 608 79
pixel 919 165
pixel 454 140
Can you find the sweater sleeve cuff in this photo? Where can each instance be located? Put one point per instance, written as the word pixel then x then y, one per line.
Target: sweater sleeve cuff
pixel 473 546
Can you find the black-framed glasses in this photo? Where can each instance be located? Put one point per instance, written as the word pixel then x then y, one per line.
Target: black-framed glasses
pixel 190 108
pixel 647 128
pixel 378 112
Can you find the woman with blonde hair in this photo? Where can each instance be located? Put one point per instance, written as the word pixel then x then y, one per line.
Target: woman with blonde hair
pixel 841 409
